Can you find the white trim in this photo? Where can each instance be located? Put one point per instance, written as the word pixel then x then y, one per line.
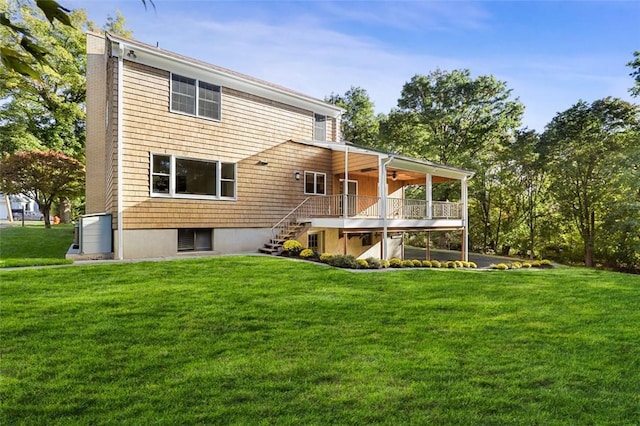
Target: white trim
pixel 315 183
pixel 172 179
pixel 197 98
pixel 157 58
pixel 119 173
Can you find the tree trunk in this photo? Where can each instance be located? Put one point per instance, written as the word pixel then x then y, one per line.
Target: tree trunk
pixel 46 210
pixel 65 210
pixel 9 212
pixel 589 241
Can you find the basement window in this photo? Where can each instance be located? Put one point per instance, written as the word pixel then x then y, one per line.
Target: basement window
pixel 195 239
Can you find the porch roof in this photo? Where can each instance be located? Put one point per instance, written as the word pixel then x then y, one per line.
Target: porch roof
pixel 365 160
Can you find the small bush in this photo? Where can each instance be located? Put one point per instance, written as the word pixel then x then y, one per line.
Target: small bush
pixel 417 263
pixel 362 264
pixel 343 261
pixel 501 266
pixel 374 263
pixel 526 265
pixel 292 247
pixel 516 265
pixel 545 263
pixel 395 263
pixel 384 263
pixel 307 253
pixel 450 264
pixel 407 263
pixel 426 263
pixel 465 264
pixel 436 264
pixel 473 265
pixel 459 264
pixel 324 257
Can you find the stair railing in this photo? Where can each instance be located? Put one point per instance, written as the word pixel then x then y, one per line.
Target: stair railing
pixel 289 219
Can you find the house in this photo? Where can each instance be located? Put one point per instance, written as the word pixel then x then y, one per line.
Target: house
pixel 184 156
pixel 17 203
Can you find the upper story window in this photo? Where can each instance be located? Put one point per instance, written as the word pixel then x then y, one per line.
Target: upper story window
pixel 319 127
pixel 190 178
pixel 315 183
pixel 194 97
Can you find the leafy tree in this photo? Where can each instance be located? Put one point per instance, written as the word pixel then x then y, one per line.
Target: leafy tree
pixel 46 112
pixel 43 176
pixel 359 123
pixel 23 56
pixel 118 25
pixel 635 65
pixel 461 115
pixel 586 148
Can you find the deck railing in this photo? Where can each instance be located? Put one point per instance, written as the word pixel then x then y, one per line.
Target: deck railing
pixel 369 207
pixel 360 206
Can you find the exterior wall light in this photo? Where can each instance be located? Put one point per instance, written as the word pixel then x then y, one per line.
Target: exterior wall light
pixel 296 175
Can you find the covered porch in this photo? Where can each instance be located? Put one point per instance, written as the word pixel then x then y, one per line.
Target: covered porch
pixel 370 195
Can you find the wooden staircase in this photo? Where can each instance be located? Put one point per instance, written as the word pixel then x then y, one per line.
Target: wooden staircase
pixel 292 231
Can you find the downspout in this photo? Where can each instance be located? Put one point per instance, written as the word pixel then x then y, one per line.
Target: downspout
pixel 120 185
pixel 383 203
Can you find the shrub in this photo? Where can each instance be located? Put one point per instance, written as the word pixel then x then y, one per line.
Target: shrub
pixel 473 265
pixel 536 264
pixel 426 263
pixel 384 263
pixel 395 263
pixel 502 266
pixel 307 253
pixel 435 264
pixel 362 264
pixel 416 263
pixel 324 257
pixel 459 264
pixel 516 265
pixel 374 263
pixel 465 264
pixel 526 265
pixel 545 262
pixel 450 264
pixel 343 261
pixel 292 247
pixel 407 263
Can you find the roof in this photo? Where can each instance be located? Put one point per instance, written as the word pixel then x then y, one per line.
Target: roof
pixel 394 160
pixel 136 51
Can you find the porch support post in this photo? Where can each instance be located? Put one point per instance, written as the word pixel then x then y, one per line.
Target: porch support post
pixel 382 188
pixel 465 220
pixel 344 247
pixel 429 193
pixel 345 197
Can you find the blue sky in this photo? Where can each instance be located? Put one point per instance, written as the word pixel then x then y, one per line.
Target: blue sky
pixel 550 53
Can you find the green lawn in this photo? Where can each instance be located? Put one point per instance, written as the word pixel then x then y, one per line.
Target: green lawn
pixel 34 244
pixel 257 340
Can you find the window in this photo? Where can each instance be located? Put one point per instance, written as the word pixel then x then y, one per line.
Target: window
pixel 194 239
pixel 190 178
pixel 319 127
pixel 315 241
pixel 195 97
pixel 314 183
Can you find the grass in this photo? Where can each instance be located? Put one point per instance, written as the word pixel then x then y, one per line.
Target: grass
pixel 35 245
pixel 256 340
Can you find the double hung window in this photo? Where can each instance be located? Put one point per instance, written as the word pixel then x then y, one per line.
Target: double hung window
pixel 315 183
pixel 194 97
pixel 178 177
pixel 319 127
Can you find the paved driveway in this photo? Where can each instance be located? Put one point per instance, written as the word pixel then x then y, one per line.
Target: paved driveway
pixel 482 260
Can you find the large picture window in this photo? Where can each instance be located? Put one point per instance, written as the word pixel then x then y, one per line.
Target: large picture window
pixel 315 183
pixel 194 97
pixel 173 176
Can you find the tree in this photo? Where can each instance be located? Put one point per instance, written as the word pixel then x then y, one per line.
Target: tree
pixel 359 123
pixel 586 148
pixel 47 112
pixel 43 176
pixel 27 52
pixel 635 65
pixel 461 115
